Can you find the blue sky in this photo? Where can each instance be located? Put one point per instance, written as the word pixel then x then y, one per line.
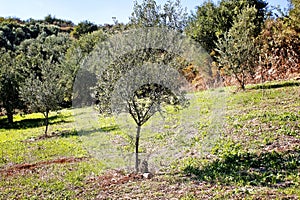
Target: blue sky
pixel 96 11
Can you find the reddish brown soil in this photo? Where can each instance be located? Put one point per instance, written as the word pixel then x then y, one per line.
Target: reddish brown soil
pixel 30 166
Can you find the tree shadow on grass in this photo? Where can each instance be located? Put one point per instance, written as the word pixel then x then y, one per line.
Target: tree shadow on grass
pixel 110 128
pixel 275 85
pixel 32 123
pixel 105 129
pixel 266 169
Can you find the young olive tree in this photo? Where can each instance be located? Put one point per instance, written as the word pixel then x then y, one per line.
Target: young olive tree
pixel 44 89
pixel 45 92
pixel 238 52
pixel 138 71
pixel 144 91
pixel 133 85
pixel 138 75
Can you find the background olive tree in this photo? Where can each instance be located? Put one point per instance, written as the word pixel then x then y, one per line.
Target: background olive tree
pixel 238 52
pixel 45 92
pixel 44 89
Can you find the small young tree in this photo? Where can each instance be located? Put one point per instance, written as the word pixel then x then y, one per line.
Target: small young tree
pixel 44 92
pixel 138 73
pixel 144 91
pixel 237 50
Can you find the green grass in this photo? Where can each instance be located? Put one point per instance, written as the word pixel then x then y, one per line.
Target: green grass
pixel 254 152
pixel 21 145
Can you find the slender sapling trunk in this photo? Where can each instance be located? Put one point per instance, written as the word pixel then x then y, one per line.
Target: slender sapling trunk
pixel 46 121
pixel 138 131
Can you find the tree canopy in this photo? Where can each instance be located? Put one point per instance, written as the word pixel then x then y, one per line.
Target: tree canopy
pixel 212 21
pixel 149 14
pixel 237 50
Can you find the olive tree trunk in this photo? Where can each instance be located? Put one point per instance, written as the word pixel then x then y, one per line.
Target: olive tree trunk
pixel 137 139
pixel 46 114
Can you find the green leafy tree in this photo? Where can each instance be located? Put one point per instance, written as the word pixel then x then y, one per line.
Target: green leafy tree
pixel 59 22
pixel 13 33
pixel 202 26
pixel 211 21
pixel 238 52
pixel 143 88
pixel 41 61
pixel 44 92
pixel 9 82
pixel 141 93
pixel 83 28
pixel 149 14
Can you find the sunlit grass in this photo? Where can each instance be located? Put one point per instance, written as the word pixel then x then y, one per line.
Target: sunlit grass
pixel 256 149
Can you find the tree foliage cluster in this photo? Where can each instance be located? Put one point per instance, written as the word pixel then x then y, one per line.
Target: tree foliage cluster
pixel 211 21
pixel 247 41
pixel 149 14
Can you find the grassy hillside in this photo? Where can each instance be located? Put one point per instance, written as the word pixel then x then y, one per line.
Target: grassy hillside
pixel 256 156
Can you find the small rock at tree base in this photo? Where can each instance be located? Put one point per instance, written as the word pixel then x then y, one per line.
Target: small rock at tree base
pixel 147 175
